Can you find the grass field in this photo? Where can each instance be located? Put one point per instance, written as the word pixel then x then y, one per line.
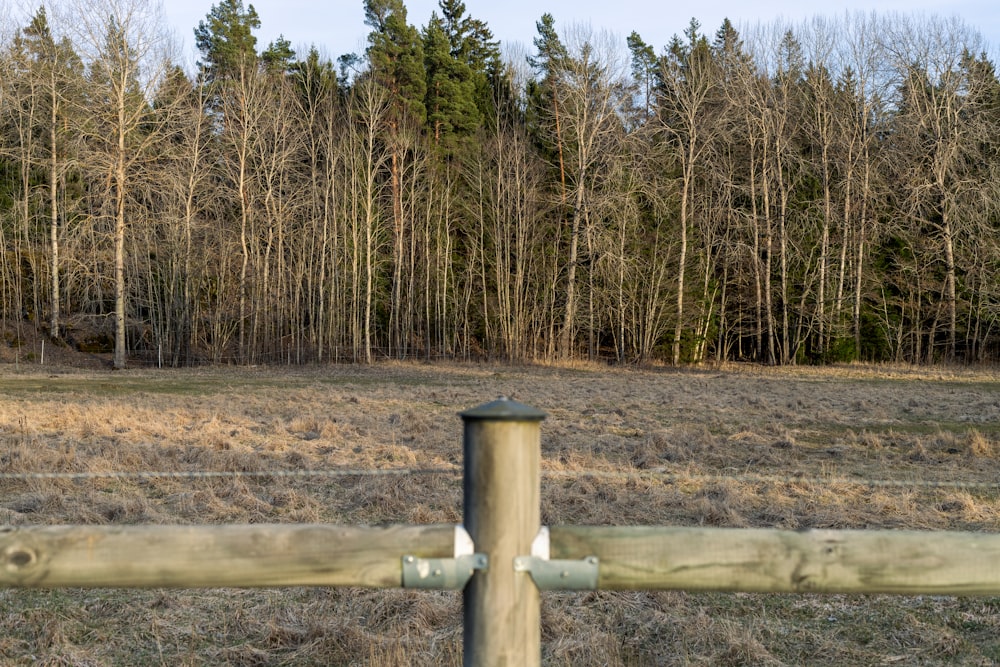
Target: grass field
pixel 720 447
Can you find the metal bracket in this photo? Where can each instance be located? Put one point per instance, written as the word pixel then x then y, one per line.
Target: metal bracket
pixel 557 575
pixel 445 573
pixel 560 575
pixel 450 574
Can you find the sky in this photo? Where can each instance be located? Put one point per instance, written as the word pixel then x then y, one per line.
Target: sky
pixel 337 26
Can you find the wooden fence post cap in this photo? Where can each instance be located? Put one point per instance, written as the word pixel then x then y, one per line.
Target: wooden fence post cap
pixel 503 409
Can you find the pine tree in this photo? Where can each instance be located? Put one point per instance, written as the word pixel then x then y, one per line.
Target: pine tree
pixel 395 54
pixel 279 57
pixel 452 113
pixel 226 39
pixel 473 45
pixel 543 100
pixel 644 72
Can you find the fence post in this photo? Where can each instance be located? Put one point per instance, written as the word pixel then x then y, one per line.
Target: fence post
pixel 502 450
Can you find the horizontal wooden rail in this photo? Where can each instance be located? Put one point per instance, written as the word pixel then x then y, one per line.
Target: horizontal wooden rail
pixel 780 561
pixel 631 558
pixel 253 555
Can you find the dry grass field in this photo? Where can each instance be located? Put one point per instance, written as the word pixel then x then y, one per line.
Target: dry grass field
pixel 788 448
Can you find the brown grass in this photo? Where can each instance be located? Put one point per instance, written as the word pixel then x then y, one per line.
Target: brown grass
pixel 733 446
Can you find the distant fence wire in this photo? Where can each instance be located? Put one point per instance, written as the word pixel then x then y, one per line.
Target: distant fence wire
pixel 667 477
pixel 662 476
pixel 231 474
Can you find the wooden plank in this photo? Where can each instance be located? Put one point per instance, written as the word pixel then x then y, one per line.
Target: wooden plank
pixel 209 556
pixel 502 447
pixel 780 561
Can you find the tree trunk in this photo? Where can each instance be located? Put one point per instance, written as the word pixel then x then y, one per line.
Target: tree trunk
pixel 120 347
pixel 682 261
pixel 569 316
pixel 54 314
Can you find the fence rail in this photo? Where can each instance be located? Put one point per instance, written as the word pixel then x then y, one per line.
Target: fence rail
pixel 506 557
pixel 630 558
pixel 255 555
pixel 783 561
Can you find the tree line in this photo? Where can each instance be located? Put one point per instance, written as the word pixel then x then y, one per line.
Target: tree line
pixel 807 193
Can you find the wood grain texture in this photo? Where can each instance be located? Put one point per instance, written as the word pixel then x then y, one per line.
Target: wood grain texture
pixel 780 561
pixel 502 494
pixel 254 555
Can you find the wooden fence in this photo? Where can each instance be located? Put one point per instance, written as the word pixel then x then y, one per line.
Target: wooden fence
pixel 501 557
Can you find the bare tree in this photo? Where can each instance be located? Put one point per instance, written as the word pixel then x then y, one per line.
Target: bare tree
pixel 590 88
pixel 862 110
pixel 690 116
pixel 180 183
pixel 371 107
pixel 936 142
pixel 243 108
pixel 22 115
pixel 53 75
pixel 510 218
pixel 319 113
pixel 821 127
pixel 125 48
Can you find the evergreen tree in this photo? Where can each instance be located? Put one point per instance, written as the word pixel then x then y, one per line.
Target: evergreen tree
pixel 226 39
pixel 543 111
pixel 551 51
pixel 451 109
pixel 644 72
pixel 315 78
pixel 395 54
pixel 473 45
pixel 279 57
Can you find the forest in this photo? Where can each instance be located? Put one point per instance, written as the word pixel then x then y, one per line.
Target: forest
pixel 785 194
